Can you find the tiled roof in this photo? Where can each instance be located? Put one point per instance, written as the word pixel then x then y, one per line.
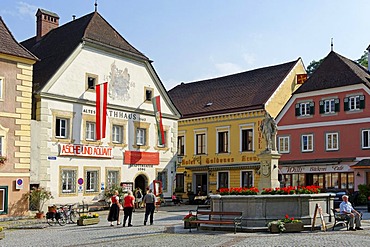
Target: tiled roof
pixel 56 46
pixel 335 71
pixel 244 91
pixel 8 45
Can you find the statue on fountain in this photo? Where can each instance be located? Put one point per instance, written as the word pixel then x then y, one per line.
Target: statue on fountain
pixel 268 128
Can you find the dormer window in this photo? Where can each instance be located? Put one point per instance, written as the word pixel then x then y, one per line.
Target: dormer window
pixel 148 94
pixel 209 104
pixel 91 81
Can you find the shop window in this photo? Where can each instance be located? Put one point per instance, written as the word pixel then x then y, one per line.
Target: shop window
pixel 246 179
pixel 69 181
pixel 181 145
pixel 180 182
pixel 307 143
pixel 223 142
pixel 112 178
pixel 332 141
pixel 3 200
pixel 305 108
pixel 223 180
pixel 365 139
pixel 91 181
pixel 284 144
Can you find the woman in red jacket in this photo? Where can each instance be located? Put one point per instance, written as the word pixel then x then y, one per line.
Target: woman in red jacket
pixel 128 206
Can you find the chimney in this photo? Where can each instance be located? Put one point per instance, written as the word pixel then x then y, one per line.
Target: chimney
pixel 45 22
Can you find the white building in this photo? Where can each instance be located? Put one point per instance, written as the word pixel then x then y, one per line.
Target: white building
pixel 66 157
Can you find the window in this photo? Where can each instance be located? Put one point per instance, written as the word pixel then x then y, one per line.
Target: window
pixel 180 182
pixel 332 141
pixel 90 131
pixel 140 137
pixel 366 138
pixel 200 143
pixel 305 109
pixel 223 142
pixel 91 181
pixel 1 87
pixel 61 127
pixel 223 180
pixel 148 94
pixel 162 176
pixel 91 81
pixel 117 134
pixel 3 199
pixel 329 106
pixel 354 103
pixel 307 143
pixel 112 178
pixel 247 140
pixel 1 145
pixel 247 179
pixel 284 144
pixel 69 181
pixel 181 145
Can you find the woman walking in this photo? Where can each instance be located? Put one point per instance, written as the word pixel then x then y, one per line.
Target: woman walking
pixel 128 206
pixel 114 209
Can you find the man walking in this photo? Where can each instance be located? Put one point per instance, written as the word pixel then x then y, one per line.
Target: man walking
pixel 149 202
pixel 354 216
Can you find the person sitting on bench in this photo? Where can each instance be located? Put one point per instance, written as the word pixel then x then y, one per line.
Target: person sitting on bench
pixel 175 199
pixel 354 216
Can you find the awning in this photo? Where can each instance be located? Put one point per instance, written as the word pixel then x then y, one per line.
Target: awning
pixel 363 164
pixel 223 167
pixel 316 161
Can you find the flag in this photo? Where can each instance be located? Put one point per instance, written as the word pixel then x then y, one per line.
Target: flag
pixel 301 78
pixel 158 117
pixel 101 109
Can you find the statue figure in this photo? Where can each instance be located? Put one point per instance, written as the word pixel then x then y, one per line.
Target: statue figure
pixel 268 128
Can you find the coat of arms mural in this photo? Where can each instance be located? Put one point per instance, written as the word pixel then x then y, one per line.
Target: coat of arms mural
pixel 119 84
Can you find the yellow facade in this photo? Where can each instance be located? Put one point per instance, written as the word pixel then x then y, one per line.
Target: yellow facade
pixel 203 172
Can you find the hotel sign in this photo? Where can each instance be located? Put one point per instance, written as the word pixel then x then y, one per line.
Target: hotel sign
pixel 315 169
pixel 85 151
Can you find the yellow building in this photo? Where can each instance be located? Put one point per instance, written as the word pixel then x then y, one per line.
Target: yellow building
pixel 219 138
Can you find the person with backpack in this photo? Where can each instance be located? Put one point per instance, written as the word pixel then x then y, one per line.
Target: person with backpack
pixel 138 197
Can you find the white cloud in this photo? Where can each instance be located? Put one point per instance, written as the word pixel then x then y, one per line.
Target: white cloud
pixel 249 59
pixel 227 68
pixel 27 10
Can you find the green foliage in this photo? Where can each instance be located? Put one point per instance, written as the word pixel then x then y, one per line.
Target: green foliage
pixel 313 66
pixel 109 192
pixel 38 197
pixel 363 60
pixel 281 223
pixel 364 193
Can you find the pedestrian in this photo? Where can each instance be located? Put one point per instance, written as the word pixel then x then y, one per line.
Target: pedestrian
pixel 114 209
pixel 138 197
pixel 149 202
pixel 175 199
pixel 353 216
pixel 128 207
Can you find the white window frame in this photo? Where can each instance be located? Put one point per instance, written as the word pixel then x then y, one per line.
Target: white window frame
pixel 354 103
pixel 112 177
pixel 365 134
pixel 225 129
pixel 309 140
pixel 332 141
pixel 141 136
pixel 5 196
pixel 1 88
pixel 64 128
pixel 90 131
pixel 91 181
pixel 1 145
pixel 70 175
pixel 117 134
pixel 304 108
pixel 200 132
pixel 329 106
pixel 179 153
pixel 284 141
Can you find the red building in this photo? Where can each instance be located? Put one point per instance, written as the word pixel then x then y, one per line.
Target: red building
pixel 324 129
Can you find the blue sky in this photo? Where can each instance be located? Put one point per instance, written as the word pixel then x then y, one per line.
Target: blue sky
pixel 191 40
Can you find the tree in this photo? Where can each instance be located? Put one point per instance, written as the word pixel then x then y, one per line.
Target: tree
pixel 313 66
pixel 363 60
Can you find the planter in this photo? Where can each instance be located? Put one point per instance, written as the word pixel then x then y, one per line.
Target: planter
pixel 289 227
pixel 40 215
pixel 188 225
pixel 2 235
pixel 89 221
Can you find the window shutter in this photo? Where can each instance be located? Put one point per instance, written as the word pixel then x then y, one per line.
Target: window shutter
pixel 312 108
pixel 362 101
pixel 321 107
pixel 337 105
pixel 297 110
pixel 346 104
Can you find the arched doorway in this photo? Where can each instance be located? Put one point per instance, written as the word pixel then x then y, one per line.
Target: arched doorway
pixel 141 181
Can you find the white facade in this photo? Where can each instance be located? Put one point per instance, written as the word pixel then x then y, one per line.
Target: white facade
pixel 67 100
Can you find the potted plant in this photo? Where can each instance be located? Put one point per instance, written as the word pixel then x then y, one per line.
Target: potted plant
pixel 187 221
pixel 2 233
pixel 2 159
pixel 88 219
pixel 288 224
pixel 38 197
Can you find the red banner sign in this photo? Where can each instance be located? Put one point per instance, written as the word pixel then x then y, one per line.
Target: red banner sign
pixel 141 158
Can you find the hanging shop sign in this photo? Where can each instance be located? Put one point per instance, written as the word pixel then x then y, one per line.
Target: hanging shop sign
pixel 85 151
pixel 315 169
pixel 141 158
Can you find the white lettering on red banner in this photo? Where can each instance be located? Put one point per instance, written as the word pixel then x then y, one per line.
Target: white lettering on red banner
pixel 85 151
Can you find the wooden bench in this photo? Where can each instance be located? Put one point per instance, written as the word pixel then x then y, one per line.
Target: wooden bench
pixel 217 218
pixel 340 219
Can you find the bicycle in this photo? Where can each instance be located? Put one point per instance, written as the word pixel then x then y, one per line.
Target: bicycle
pixel 54 216
pixel 69 213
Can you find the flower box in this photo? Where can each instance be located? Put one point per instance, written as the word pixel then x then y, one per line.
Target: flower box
pixel 289 227
pixel 88 221
pixel 188 225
